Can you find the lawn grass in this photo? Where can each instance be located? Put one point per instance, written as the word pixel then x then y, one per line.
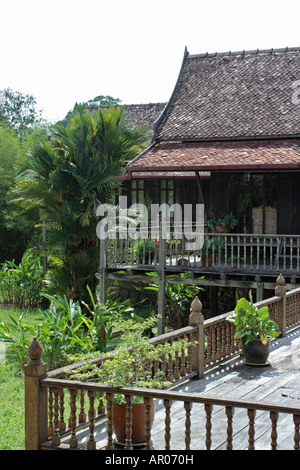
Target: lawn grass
pixel 12 419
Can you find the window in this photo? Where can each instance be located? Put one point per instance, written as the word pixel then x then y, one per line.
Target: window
pixel 137 192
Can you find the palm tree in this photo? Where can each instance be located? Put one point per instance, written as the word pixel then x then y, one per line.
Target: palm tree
pixel 67 177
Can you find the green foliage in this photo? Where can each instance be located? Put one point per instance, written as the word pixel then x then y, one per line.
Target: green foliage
pixel 178 297
pixel 16 226
pixel 18 110
pixel 228 220
pixel 66 330
pixel 128 366
pixel 21 284
pixel 213 245
pixel 252 323
pixel 104 100
pixel 66 178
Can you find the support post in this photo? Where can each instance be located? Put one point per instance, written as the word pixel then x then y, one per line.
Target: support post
pixel 196 319
pixel 36 429
pixel 103 273
pixel 259 289
pixel 161 283
pixel 280 291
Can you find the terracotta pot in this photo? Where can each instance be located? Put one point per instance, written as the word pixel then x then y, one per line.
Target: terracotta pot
pixel 256 353
pixel 138 422
pixel 221 229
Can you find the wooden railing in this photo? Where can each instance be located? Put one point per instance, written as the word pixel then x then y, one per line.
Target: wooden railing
pixel 257 253
pixel 45 408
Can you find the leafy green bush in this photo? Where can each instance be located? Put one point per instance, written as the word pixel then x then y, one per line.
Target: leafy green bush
pixel 63 330
pixel 21 284
pixel 252 323
pixel 178 298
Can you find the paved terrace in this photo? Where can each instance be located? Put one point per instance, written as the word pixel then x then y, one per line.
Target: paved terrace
pixel 278 383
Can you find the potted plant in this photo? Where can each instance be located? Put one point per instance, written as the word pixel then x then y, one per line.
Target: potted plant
pixel 223 224
pixel 254 328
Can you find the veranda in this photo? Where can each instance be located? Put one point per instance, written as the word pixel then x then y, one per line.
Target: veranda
pixel 216 401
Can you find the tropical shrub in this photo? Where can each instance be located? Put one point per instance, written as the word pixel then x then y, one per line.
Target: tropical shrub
pixel 178 297
pixel 21 284
pixel 66 177
pixel 65 329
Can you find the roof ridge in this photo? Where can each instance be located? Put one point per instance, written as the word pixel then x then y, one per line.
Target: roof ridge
pixel 243 52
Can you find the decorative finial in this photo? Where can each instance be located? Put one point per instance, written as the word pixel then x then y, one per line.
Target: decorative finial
pixel 280 281
pixel 35 352
pixel 196 305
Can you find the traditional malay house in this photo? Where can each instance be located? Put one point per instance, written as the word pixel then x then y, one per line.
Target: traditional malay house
pixel 229 138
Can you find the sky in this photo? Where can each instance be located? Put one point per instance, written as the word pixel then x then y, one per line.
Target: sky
pixel 67 51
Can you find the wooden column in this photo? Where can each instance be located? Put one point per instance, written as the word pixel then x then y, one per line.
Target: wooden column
pixel 259 289
pixel 36 430
pixel 196 319
pixel 280 291
pixel 161 283
pixel 102 272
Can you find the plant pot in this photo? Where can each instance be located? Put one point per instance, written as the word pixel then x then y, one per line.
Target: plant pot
pixel 138 422
pixel 221 229
pixel 256 353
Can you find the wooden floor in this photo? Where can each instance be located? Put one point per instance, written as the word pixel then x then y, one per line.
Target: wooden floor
pixel 279 383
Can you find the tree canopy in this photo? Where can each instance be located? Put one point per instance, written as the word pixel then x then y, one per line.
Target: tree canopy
pixel 66 177
pixel 18 110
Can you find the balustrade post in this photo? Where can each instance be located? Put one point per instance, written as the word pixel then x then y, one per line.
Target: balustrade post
pixel 198 349
pixel 280 291
pixel 161 283
pixel 36 430
pixel 102 271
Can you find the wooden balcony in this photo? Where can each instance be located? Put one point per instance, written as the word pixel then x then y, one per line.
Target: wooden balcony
pixel 221 252
pixel 216 400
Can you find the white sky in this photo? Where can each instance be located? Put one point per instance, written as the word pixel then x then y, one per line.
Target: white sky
pixel 63 51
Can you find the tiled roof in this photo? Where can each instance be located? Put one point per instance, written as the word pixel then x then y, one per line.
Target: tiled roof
pixel 144 114
pixel 165 175
pixel 234 95
pixel 226 155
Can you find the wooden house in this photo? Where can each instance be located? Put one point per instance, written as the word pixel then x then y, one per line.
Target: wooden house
pixel 229 138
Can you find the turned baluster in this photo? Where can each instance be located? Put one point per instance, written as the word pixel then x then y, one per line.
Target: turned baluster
pixel 55 441
pixel 229 414
pixel 148 401
pixel 82 414
pixel 62 424
pixel 91 445
pixel 167 404
pixel 128 441
pixel 189 361
pixel 170 366
pixel 73 439
pixel 101 408
pixel 50 413
pixel 176 368
pixel 109 400
pixel 227 340
pixel 208 426
pixel 223 340
pixel 208 346
pixel 296 419
pixel 182 370
pixel 251 431
pixel 163 366
pixel 213 344
pixel 274 418
pixel 188 407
